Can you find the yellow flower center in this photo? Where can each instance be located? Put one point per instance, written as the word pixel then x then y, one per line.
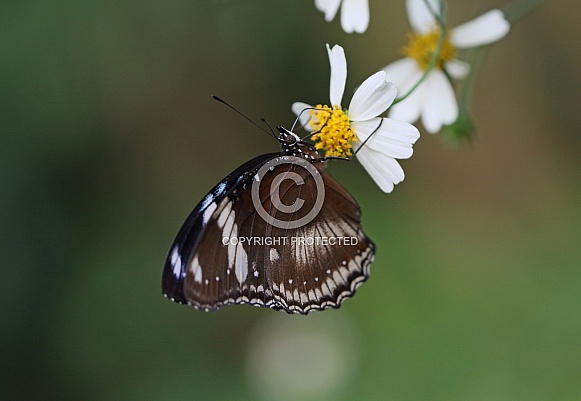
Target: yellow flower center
pixel 334 133
pixel 422 48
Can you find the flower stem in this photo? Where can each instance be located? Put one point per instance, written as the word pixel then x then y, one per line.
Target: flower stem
pixel 440 17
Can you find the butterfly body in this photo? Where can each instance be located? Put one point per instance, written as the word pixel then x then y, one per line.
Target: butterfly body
pixel 226 252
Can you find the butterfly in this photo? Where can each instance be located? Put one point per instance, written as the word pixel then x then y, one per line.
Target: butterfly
pixel 242 244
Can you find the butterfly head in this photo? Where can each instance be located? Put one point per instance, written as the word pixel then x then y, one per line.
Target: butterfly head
pixel 291 144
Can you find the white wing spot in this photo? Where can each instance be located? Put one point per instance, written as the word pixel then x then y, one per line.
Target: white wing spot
pixel 209 212
pixel 318 293
pixel 175 255
pixel 328 271
pixel 217 278
pixel 274 256
pixel 327 288
pixel 228 227
pixel 176 262
pixel 224 213
pixel 206 281
pixel 241 269
pixel 353 266
pixel 255 273
pixel 290 281
pixel 232 246
pixel 196 269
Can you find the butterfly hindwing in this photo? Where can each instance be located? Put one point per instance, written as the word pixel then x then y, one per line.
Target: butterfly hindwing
pixel 326 259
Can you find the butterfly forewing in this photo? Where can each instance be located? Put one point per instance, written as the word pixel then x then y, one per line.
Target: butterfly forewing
pixel 188 237
pixel 226 271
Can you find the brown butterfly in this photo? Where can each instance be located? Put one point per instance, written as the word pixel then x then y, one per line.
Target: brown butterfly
pixel 226 252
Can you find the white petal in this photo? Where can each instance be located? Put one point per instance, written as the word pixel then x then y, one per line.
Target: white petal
pixel 440 106
pixel 487 28
pixel 384 170
pixel 329 7
pixel 338 74
pixel 372 98
pixel 457 69
pixel 304 116
pixel 393 138
pixel 355 15
pixel 409 109
pixel 403 73
pixel 421 18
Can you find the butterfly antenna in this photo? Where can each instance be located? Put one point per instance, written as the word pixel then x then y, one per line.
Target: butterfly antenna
pixel 323 159
pixel 269 126
pixel 369 137
pixel 299 117
pixel 317 131
pixel 243 115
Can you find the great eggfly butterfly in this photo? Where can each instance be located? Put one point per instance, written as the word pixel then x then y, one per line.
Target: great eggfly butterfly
pixel 227 253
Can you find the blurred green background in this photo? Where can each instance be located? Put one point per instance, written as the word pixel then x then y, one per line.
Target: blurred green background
pixel 109 138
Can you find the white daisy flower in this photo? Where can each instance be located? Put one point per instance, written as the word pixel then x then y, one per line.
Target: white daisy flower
pixel 341 130
pixel 434 99
pixel 354 13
